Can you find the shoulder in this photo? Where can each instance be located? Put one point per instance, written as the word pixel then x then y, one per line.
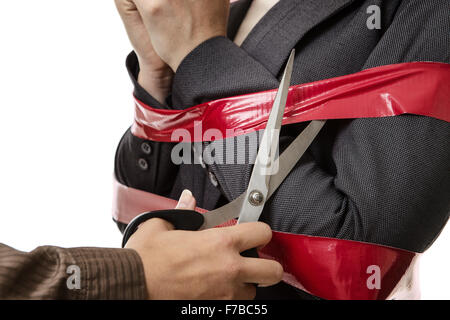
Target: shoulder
pixel 418 32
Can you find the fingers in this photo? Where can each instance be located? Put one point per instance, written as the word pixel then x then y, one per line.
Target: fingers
pixel 187 201
pixel 125 6
pixel 261 271
pixel 249 235
pixel 253 235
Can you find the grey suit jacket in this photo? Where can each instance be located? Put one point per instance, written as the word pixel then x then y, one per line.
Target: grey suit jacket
pixel 382 180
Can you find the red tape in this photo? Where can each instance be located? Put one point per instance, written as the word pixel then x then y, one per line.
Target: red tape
pixel 325 267
pixel 420 88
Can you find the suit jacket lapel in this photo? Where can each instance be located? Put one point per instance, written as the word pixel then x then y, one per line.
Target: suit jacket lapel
pixel 278 32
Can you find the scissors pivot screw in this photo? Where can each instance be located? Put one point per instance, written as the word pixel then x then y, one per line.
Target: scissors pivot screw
pixel 256 198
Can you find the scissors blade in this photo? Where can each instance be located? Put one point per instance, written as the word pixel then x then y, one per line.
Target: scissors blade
pixel 287 161
pixel 258 188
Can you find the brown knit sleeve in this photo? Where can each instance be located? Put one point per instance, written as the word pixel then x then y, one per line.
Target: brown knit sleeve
pixel 77 273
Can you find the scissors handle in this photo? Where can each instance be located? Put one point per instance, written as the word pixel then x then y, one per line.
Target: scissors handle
pixel 187 220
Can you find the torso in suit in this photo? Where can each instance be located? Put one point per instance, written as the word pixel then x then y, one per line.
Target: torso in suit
pixel 381 180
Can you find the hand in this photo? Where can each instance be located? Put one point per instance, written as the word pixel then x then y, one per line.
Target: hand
pixel 203 264
pixel 155 75
pixel 176 27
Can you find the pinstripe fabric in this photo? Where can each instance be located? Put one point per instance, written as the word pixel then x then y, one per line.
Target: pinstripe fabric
pixel 43 274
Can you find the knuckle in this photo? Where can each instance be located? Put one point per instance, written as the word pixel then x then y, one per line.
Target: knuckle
pixel 213 240
pixel 266 231
pixel 278 272
pixel 232 268
pixel 124 6
pixel 225 239
pixel 152 7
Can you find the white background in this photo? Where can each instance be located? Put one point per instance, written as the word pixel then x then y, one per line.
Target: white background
pixel 65 101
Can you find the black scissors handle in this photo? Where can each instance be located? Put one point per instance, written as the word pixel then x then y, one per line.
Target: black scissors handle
pixel 187 220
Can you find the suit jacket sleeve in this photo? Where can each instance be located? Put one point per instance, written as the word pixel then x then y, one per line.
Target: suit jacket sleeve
pixel 140 163
pixel 389 179
pixel 44 273
pixel 154 171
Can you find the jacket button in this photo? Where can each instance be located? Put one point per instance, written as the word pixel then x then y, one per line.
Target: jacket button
pixel 213 179
pixel 198 156
pixel 146 148
pixel 143 164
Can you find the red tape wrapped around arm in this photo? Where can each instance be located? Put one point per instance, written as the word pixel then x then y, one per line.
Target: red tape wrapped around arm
pixel 325 267
pixel 420 88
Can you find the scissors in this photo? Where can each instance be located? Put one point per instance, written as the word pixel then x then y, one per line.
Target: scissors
pixel 268 174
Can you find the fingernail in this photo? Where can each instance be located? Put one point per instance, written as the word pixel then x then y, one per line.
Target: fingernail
pixel 185 199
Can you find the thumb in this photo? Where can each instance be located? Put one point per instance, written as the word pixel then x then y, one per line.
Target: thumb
pixel 187 201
